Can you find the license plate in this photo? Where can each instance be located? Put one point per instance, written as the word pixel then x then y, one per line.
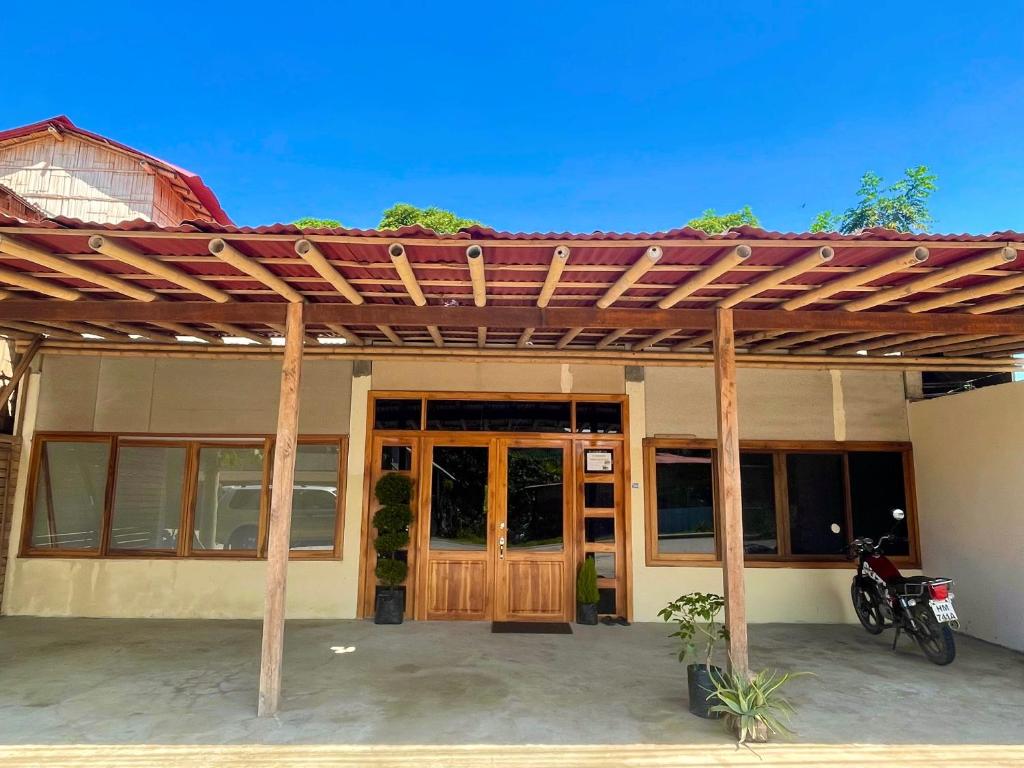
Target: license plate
pixel 943 610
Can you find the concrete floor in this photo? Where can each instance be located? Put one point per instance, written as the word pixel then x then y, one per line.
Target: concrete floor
pixel 80 681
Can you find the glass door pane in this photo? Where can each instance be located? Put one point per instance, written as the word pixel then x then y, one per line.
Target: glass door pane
pixel 458 498
pixel 535 515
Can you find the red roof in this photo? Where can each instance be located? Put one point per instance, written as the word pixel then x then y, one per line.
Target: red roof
pixel 192 180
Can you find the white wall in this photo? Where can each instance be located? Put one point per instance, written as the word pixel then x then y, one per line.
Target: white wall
pixel 969 452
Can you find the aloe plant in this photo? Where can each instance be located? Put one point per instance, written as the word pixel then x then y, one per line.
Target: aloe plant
pixel 753 707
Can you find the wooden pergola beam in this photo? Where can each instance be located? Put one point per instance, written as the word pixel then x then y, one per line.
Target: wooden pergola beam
pixel 727 457
pixel 992 258
pixel 834 341
pixel 29 252
pixel 568 337
pixel 348 335
pixel 231 255
pixel 934 343
pixel 311 254
pixel 789 341
pixel 559 258
pixel 1001 285
pixel 20 368
pixel 38 329
pixel 628 278
pixel 814 258
pixel 524 337
pixel 279 526
pixel 997 305
pixel 653 339
pixel 477 274
pixel 729 260
pixel 390 335
pixel 907 260
pixel 435 334
pixel 241 333
pixel 692 343
pixel 401 262
pixel 120 251
pixel 187 330
pixel 481 336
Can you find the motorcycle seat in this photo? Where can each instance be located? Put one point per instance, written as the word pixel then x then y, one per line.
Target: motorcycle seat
pixel 909 585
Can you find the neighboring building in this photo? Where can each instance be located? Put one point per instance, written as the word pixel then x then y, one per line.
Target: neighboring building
pixel 54 168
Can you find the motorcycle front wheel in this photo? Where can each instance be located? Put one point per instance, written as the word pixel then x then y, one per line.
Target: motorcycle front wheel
pixel 867 607
pixel 935 639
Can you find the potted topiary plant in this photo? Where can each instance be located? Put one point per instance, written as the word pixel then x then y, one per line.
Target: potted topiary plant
pixel 392 521
pixel 587 595
pixel 752 707
pixel 699 631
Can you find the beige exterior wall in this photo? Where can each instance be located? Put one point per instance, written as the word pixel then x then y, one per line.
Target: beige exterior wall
pixel 969 452
pixel 160 395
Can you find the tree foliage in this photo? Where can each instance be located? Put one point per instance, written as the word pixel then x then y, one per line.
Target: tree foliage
pixel 716 223
pixel 437 219
pixel 312 222
pixel 902 206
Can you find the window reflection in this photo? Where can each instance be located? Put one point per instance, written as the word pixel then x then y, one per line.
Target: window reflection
pixel 685 498
pixel 458 500
pixel 535 499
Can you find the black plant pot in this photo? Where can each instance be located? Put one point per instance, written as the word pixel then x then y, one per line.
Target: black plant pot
pixel 702 690
pixel 390 606
pixel 586 613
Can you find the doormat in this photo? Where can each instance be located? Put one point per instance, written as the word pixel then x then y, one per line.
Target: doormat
pixel 531 627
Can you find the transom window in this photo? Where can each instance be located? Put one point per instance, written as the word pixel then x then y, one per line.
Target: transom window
pixel 121 495
pixel 793 493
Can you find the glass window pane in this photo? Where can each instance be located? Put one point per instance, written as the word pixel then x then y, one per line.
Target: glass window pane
pixel 599 529
pixel 604 562
pixel 458 498
pixel 397 414
pixel 228 498
pixel 147 497
pixel 877 488
pixel 606 600
pixel 536 506
pixel 757 481
pixel 685 501
pixel 70 492
pixel 599 495
pixel 315 497
pixel 396 458
pixel 816 501
pixel 498 416
pixel 599 418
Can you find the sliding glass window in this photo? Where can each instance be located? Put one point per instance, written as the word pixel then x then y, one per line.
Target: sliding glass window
pixel 148 491
pixel 70 495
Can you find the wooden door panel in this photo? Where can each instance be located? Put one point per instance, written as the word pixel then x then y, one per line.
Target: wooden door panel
pixel 536 590
pixel 457 589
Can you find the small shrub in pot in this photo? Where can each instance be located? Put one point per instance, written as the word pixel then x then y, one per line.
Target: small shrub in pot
pixel 699 630
pixel 392 522
pixel 587 594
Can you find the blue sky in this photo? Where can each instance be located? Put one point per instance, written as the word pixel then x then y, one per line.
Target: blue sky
pixel 545 116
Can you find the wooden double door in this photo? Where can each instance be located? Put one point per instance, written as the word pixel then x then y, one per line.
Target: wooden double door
pixel 495 536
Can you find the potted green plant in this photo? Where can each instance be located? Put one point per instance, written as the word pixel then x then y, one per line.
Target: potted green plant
pixel 752 706
pixel 392 521
pixel 698 629
pixel 587 595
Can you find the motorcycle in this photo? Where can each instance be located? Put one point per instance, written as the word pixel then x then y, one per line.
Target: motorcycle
pixel 921 606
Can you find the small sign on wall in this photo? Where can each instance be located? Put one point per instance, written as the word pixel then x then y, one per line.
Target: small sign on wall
pixel 598 461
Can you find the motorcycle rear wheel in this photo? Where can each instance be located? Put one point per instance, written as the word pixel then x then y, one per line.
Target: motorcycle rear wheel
pixel 936 640
pixel 868 609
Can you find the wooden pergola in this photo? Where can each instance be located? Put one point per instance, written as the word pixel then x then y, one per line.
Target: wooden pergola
pixel 878 300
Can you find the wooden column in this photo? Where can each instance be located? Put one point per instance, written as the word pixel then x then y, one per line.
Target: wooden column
pixel 281 514
pixel 731 512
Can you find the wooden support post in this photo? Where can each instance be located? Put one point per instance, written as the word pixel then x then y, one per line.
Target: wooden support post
pixel 20 367
pixel 728 458
pixel 281 514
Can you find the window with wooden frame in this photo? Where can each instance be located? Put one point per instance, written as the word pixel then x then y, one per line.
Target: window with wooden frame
pixel 792 492
pixel 110 495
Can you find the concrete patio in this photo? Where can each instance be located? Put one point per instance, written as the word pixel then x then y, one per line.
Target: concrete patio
pixel 136 682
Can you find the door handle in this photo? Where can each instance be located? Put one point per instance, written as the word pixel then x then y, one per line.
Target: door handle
pixel 501 547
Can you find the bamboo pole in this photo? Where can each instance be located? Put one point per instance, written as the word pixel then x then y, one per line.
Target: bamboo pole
pixel 435 334
pixel 967 294
pixel 730 260
pixel 524 337
pixel 559 258
pixel 241 333
pixel 639 268
pixel 567 338
pixel 997 305
pixel 697 341
pixel 389 332
pixel 650 341
pixel 397 253
pixel 30 252
pixel 126 254
pixel 612 337
pixel 727 458
pixel 477 275
pixel 39 285
pixel 345 333
pixel 994 257
pixel 231 255
pixel 312 255
pixel 912 258
pixel 815 258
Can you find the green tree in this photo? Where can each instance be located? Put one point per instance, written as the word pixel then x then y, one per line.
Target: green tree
pixel 311 222
pixel 437 219
pixel 902 206
pixel 715 223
